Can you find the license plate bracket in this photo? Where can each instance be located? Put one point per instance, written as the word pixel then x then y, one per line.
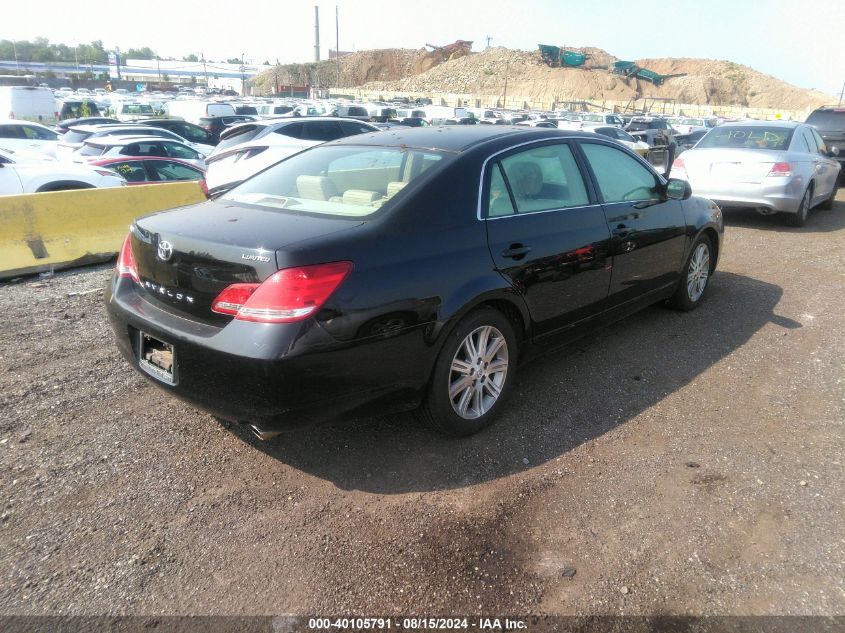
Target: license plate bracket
pixel 157 358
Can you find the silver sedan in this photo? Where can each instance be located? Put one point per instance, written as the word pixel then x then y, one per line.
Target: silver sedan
pixel 770 166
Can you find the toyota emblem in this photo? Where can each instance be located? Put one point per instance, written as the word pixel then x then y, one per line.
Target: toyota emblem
pixel 165 250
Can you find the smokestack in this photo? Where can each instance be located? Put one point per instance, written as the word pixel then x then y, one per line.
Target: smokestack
pixel 316 33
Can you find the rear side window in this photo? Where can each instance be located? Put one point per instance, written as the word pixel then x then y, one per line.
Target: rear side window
pixel 132 171
pixel 620 177
pixel 294 130
pixel 544 178
pixel 36 133
pixel 499 202
pixel 11 131
pixel 322 131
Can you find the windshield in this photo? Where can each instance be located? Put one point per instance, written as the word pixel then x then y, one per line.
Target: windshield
pixel 747 137
pixel 341 181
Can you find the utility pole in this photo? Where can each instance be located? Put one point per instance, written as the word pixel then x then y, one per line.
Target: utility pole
pixel 489 39
pixel 243 76
pixel 204 69
pixel 316 33
pixel 276 73
pixel 158 65
pixel 841 94
pixel 505 96
pixel 17 63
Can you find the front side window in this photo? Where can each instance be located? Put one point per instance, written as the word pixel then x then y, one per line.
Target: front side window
pixel 337 180
pixel 168 170
pixel 621 178
pixel 180 151
pixel 544 178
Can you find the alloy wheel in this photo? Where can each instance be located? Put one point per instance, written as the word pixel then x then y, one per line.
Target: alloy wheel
pixel 699 272
pixel 478 372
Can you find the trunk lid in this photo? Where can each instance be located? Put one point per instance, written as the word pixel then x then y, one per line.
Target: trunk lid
pixel 718 165
pixel 187 256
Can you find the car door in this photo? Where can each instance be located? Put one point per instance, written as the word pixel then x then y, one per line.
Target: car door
pixel 547 233
pixel 10 183
pixel 648 230
pixel 826 167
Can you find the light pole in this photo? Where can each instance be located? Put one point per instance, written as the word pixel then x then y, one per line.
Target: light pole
pixel 17 63
pixel 840 94
pixel 243 76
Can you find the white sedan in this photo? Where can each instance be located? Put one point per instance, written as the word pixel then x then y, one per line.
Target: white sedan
pixel 27 136
pixel 26 174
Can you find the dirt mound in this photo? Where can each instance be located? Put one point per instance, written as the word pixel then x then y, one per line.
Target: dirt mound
pixel 724 82
pixel 705 81
pixel 356 69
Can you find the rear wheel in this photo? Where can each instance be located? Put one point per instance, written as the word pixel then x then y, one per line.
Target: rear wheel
pixel 696 276
pixel 800 217
pixel 472 375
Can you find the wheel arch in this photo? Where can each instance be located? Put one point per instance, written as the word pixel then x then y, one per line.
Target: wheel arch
pixel 63 185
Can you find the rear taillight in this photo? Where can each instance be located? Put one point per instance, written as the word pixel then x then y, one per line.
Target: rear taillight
pixel 292 294
pixel 781 169
pixel 679 164
pixel 204 187
pixel 126 266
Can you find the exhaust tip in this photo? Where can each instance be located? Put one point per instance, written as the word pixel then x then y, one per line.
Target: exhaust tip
pixel 263 435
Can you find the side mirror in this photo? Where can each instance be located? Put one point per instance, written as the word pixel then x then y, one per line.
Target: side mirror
pixel 677 189
pixel 833 152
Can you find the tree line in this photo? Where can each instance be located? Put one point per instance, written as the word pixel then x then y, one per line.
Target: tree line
pixel 44 51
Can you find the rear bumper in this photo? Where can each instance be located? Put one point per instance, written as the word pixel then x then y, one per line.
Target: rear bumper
pixel 274 376
pixel 781 194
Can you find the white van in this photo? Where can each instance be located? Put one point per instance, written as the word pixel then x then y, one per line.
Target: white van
pixel 192 110
pixel 27 102
pixel 437 115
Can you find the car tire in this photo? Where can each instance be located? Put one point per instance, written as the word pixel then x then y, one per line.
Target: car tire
pixel 799 218
pixel 828 204
pixel 462 403
pixel 696 276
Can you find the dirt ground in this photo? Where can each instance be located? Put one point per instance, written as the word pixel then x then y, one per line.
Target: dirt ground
pixel 671 464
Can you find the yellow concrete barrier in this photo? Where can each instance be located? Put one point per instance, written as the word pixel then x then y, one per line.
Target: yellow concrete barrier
pixel 45 231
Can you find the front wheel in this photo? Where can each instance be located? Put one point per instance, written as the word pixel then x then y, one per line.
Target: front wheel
pixel 472 375
pixel 696 276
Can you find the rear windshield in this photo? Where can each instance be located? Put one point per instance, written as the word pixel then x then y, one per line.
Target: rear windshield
pixel 748 137
pixel 828 119
pixel 75 136
pixel 340 181
pixel 239 135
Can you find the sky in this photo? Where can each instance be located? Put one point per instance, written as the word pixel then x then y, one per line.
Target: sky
pixel 797 41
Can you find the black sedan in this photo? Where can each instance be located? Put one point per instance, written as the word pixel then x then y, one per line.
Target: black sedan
pixel 405 269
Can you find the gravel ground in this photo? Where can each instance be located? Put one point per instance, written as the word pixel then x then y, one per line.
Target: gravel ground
pixel 671 464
